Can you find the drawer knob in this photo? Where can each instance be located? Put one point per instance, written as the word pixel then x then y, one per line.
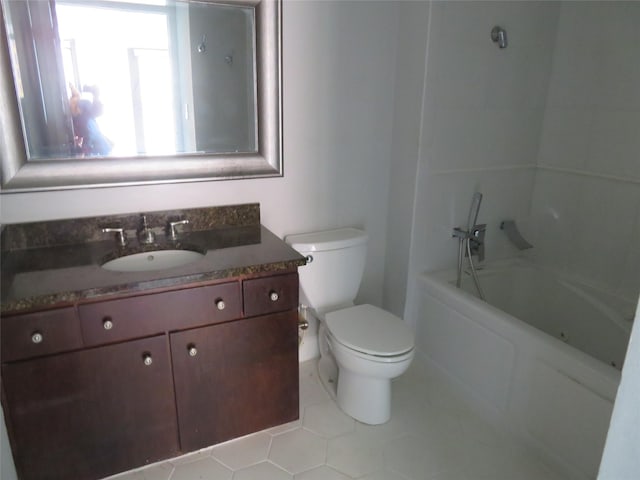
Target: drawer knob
pixel 37 337
pixel 146 358
pixel 107 324
pixel 193 351
pixel 220 304
pixel 273 295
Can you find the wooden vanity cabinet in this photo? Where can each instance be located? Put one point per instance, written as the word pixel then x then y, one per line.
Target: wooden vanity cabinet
pixel 91 413
pixel 235 378
pixel 240 377
pixel 116 384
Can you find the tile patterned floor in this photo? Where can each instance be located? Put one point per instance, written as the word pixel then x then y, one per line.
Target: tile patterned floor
pixel 431 436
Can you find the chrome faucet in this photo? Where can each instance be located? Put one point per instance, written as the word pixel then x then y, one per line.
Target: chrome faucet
pixel 145 234
pixel 121 235
pixel 476 240
pixel 471 242
pixel 171 231
pixel 475 237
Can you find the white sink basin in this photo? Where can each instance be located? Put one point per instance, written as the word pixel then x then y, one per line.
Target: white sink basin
pixel 149 261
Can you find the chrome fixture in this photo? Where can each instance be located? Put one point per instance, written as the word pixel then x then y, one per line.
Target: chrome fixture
pixel 145 234
pixel 303 322
pixel 499 36
pixel 471 239
pixel 170 229
pixel 203 45
pixel 257 155
pixel 514 235
pixel 475 238
pixel 121 236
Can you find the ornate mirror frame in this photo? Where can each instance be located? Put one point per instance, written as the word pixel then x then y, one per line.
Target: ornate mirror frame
pixel 20 175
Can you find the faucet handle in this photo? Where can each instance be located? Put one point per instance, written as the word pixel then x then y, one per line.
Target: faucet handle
pixel 121 235
pixel 171 228
pixel 476 239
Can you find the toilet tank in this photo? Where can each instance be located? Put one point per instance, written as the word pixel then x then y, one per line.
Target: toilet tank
pixel 335 264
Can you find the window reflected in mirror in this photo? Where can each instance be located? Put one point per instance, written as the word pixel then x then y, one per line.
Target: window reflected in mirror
pixel 116 78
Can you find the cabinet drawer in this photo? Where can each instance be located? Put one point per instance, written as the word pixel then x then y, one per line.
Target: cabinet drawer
pixel 40 333
pixel 117 320
pixel 270 294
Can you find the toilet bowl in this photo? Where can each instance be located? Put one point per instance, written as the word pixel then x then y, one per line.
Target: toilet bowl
pixel 362 347
pixel 370 347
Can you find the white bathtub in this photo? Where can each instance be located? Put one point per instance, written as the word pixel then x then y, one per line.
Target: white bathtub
pixel 542 357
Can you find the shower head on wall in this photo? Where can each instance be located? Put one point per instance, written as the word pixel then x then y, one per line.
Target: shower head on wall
pixel 499 36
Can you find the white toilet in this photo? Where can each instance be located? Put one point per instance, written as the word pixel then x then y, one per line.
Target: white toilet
pixel 362 347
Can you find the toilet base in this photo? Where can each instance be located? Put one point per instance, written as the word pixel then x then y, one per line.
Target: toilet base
pixel 328 374
pixel 367 399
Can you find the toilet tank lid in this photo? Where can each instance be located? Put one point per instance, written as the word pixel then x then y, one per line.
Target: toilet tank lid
pixel 327 240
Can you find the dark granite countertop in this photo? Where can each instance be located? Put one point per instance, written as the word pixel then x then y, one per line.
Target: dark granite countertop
pixel 57 273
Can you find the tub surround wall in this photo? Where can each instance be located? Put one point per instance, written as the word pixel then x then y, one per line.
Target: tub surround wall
pixel 483 114
pixel 586 200
pixel 545 129
pixel 484 109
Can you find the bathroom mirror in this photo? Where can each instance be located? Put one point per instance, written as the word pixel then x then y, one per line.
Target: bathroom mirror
pixel 99 93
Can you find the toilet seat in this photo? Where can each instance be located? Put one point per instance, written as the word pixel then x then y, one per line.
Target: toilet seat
pixel 370 330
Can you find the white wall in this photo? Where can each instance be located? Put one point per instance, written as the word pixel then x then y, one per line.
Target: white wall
pixel 586 202
pixel 483 113
pixel 408 93
pixel 547 129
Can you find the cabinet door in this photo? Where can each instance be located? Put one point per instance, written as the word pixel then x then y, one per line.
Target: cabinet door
pixel 235 378
pixel 88 414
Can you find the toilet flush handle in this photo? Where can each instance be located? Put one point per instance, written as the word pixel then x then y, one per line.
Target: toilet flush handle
pixel 309 258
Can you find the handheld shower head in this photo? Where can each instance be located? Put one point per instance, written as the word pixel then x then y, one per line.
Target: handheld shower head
pixel 474 210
